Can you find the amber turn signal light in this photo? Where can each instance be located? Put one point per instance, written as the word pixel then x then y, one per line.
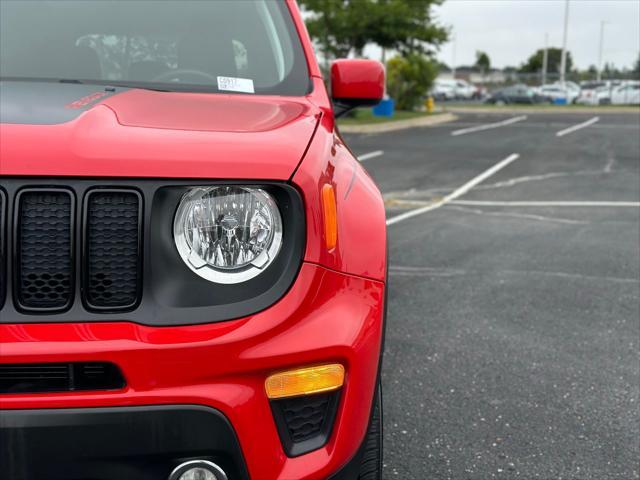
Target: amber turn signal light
pixel 330 215
pixel 305 381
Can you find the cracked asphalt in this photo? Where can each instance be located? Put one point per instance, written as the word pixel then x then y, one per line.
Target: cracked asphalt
pixel 512 348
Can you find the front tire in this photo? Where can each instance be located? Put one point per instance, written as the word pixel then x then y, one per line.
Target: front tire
pixel 371 464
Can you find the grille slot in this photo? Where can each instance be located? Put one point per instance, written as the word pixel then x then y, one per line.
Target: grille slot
pixel 59 377
pixel 304 423
pixel 112 249
pixel 44 248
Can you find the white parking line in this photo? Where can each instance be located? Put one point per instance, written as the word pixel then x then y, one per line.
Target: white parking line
pixel 456 193
pixel 481 203
pixel 488 126
pixel 569 130
pixel 369 155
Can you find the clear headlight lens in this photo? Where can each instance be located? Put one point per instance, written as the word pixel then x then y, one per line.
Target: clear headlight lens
pixel 227 234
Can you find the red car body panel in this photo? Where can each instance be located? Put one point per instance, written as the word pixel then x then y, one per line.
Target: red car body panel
pixel 133 135
pixel 326 316
pixel 333 312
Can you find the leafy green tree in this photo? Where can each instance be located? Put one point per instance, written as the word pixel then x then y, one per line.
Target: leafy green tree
pixel 483 63
pixel 409 77
pixel 341 27
pixel 636 67
pixel 534 63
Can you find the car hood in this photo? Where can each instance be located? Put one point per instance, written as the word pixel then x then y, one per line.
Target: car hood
pixel 51 129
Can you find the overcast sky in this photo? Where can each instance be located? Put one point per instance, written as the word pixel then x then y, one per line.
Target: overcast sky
pixel 511 30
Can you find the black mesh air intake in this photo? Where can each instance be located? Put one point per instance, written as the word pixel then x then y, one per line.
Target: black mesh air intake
pixel 304 423
pixel 44 240
pixel 113 231
pixel 59 377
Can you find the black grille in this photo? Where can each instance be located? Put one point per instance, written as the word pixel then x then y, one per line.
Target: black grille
pixel 304 416
pixel 59 377
pixel 44 239
pixel 305 422
pixel 112 279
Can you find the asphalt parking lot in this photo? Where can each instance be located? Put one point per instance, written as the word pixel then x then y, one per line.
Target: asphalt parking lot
pixel 512 346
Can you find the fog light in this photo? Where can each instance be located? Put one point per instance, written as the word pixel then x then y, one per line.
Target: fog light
pixel 198 470
pixel 305 381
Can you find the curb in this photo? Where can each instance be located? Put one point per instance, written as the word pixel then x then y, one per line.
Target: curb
pixel 399 125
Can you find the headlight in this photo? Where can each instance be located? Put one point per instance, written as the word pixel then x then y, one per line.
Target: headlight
pixel 227 234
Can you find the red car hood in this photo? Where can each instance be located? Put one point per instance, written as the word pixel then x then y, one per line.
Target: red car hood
pixel 81 130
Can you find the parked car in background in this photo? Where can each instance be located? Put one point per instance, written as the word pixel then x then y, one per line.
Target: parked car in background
pixel 595 95
pixel 516 94
pixel 444 89
pixel 458 89
pixel 465 90
pixel 572 87
pixel 557 92
pixel 626 94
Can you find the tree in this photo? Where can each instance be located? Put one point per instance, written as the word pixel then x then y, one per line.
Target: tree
pixel 483 63
pixel 409 77
pixel 534 63
pixel 636 67
pixel 341 27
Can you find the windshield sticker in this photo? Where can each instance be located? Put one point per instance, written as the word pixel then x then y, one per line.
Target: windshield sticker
pixel 232 84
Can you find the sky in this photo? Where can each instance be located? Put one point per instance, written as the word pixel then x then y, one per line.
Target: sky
pixel 509 31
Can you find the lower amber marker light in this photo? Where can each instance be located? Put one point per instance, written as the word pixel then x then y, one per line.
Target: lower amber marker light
pixel 305 381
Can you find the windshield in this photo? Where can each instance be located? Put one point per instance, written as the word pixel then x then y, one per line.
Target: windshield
pixel 194 45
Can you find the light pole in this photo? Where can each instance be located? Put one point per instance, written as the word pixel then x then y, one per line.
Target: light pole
pixel 453 60
pixel 545 59
pixel 563 59
pixel 602 24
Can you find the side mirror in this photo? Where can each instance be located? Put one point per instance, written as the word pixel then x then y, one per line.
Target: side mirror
pixel 356 83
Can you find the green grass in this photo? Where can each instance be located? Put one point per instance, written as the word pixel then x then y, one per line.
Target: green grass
pixel 366 117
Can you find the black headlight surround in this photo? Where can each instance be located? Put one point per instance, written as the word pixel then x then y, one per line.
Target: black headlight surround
pixel 174 285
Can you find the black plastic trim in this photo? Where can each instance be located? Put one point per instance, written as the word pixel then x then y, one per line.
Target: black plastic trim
pixel 16 249
pixel 343 105
pixel 115 443
pixel 59 377
pixel 172 295
pixel 85 247
pixel 4 272
pixel 295 449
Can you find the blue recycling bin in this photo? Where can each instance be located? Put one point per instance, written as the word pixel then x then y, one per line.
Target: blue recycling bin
pixel 560 101
pixel 385 108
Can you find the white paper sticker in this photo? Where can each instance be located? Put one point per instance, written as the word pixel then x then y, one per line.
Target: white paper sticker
pixel 232 84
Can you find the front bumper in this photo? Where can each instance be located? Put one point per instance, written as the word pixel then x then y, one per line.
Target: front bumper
pixel 325 317
pixel 142 443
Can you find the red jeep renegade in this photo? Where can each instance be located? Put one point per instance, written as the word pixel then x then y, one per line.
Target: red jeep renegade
pixel 193 264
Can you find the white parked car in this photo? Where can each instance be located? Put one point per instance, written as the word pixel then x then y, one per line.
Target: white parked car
pixel 626 94
pixel 599 95
pixel 556 91
pixel 449 89
pixel 444 89
pixel 465 90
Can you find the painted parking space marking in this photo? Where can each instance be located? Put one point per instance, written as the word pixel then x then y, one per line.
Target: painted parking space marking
pixel 577 127
pixel 370 155
pixel 480 203
pixel 456 193
pixel 489 126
